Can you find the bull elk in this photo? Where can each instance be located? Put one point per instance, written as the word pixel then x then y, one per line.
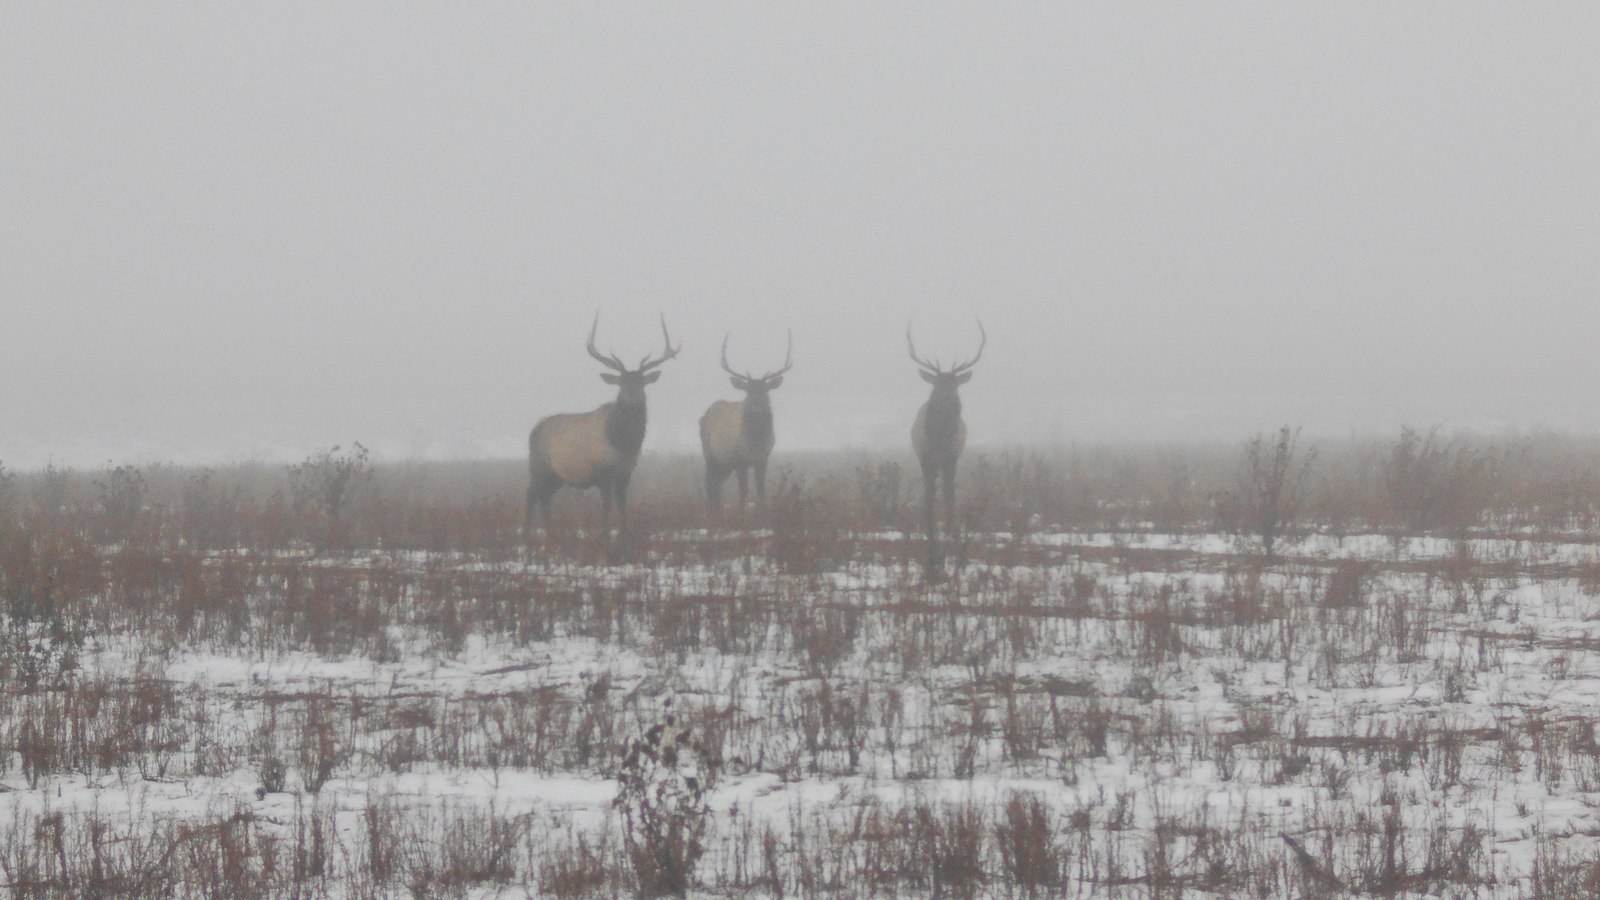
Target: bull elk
pixel 736 435
pixel 938 436
pixel 598 448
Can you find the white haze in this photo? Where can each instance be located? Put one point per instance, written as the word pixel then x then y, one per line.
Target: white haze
pixel 250 230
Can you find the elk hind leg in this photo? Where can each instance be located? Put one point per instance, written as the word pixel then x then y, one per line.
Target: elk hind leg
pixel 544 504
pixel 540 490
pixel 743 474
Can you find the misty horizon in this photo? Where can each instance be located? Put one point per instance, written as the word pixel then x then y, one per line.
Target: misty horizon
pixel 247 233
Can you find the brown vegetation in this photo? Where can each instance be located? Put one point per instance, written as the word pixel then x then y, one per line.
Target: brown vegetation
pixel 1046 662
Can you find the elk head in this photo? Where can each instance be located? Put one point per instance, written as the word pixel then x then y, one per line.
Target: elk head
pixel 631 381
pixel 757 387
pixel 945 381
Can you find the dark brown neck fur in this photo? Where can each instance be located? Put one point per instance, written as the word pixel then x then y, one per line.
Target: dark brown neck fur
pixel 625 423
pixel 757 419
pixel 943 419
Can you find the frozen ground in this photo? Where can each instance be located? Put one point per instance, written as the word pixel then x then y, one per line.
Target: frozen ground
pixel 1417 715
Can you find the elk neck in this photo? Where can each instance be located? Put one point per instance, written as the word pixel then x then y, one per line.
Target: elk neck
pixel 943 419
pixel 625 423
pixel 757 418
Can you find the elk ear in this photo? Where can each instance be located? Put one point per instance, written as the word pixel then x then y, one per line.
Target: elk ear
pixel 739 383
pixel 926 376
pixel 610 378
pixel 651 378
pixel 773 382
pixel 965 377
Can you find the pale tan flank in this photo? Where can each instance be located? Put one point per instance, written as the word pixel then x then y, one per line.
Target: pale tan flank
pixel 722 431
pixel 577 451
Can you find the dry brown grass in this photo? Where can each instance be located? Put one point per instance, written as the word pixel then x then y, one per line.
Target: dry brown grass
pixel 844 665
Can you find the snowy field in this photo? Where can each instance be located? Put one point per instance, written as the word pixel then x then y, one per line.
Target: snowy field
pixel 1070 714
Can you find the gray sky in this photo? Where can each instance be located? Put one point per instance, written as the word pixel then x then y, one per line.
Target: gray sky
pixel 238 230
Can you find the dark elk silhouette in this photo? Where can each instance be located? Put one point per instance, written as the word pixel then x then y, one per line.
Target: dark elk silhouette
pixel 598 448
pixel 939 435
pixel 736 435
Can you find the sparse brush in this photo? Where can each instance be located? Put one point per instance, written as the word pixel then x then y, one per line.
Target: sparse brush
pixel 1270 488
pixel 322 486
pixel 664 780
pixel 1025 834
pixel 1324 697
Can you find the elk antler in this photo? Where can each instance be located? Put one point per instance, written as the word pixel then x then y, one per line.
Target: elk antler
pixel 788 362
pixel 912 346
pixel 788 358
pixel 934 367
pixel 669 352
pixel 610 361
pixel 983 338
pixel 729 369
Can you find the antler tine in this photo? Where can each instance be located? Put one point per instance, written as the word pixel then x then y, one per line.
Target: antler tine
pixel 983 338
pixel 912 346
pixel 788 358
pixel 668 353
pixel 727 368
pixel 609 361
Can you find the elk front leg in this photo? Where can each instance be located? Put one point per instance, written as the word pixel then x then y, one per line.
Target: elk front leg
pixel 761 483
pixel 953 524
pixel 620 487
pixel 931 519
pixel 950 499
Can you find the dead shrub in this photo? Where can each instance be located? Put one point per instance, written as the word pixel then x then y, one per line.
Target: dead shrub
pixel 1030 856
pixel 1269 488
pixel 664 779
pixel 577 868
pixel 1432 483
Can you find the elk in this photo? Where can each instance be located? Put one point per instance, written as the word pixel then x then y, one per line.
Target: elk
pixel 736 435
pixel 938 436
pixel 598 448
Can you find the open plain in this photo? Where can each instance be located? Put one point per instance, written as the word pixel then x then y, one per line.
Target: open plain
pixel 214 686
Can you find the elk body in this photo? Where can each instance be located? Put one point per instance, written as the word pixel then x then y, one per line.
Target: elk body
pixel 598 448
pixel 737 436
pixel 939 435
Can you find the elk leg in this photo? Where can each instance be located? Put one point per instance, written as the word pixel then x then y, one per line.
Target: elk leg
pixel 950 499
pixel 761 483
pixel 539 494
pixel 932 519
pixel 620 485
pixel 605 507
pixel 714 479
pixel 952 521
pixel 545 495
pixel 743 473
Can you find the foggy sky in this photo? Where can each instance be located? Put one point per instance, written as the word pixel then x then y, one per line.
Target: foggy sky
pixel 251 230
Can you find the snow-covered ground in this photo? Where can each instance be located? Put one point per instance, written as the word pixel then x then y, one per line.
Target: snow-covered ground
pixel 1419 709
